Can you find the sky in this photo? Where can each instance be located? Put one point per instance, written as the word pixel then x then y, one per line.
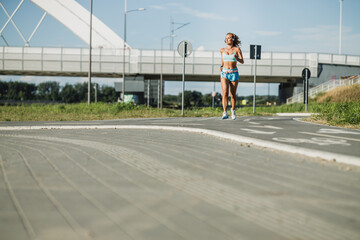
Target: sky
pixel 277 25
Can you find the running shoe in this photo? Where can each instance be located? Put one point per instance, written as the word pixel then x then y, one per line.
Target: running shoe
pixel 233 114
pixel 225 116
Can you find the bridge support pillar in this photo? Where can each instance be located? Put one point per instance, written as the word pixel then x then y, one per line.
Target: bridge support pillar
pixel 286 90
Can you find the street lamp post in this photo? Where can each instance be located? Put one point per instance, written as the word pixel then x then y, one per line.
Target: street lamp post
pixel 123 75
pixel 161 74
pixel 340 31
pixel 172 30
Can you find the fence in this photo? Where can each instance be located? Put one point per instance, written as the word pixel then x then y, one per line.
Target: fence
pixel 327 86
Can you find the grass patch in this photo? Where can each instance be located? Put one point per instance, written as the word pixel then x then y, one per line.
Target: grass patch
pixel 340 94
pixel 103 111
pixel 342 113
pixel 338 107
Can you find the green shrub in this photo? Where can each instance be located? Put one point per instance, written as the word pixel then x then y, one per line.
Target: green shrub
pixel 339 113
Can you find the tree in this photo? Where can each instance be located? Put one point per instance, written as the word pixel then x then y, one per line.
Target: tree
pixel 21 91
pixel 3 89
pixel 49 91
pixel 107 94
pixel 207 99
pixel 196 98
pixel 193 98
pixel 82 91
pixel 69 94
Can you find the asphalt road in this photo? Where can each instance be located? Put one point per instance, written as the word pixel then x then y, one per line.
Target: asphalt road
pixel 285 133
pixel 104 180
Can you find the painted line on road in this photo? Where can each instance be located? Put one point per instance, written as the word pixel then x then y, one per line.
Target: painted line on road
pixel 331 136
pixel 267 126
pixel 180 123
pixel 228 136
pixel 256 131
pixel 294 114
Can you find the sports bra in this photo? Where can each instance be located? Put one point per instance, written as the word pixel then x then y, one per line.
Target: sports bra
pixel 229 57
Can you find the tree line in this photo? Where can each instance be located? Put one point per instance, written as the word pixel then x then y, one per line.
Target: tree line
pixel 197 99
pixel 51 91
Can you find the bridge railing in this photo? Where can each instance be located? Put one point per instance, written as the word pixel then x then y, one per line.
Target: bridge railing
pixel 75 60
pixel 206 62
pixel 327 86
pixel 110 61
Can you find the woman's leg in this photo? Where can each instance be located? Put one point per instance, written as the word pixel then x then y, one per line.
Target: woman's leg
pixel 225 92
pixel 233 87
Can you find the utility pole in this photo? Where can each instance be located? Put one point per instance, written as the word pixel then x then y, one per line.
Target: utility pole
pixel 90 46
pixel 340 31
pixel 172 30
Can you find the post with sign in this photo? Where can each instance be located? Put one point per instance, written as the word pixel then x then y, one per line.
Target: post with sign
pixel 255 53
pixel 184 49
pixel 213 94
pixel 306 74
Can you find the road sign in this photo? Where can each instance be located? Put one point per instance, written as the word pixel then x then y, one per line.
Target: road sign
pixel 213 93
pixel 253 52
pixel 188 48
pixel 184 49
pixel 306 75
pixel 304 71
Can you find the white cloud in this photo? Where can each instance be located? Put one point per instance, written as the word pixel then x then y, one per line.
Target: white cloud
pixel 201 48
pixel 350 44
pixel 200 14
pixel 268 33
pixel 27 78
pixel 319 33
pixel 158 7
pixel 325 38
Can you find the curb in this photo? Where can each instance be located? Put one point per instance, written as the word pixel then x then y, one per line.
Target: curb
pixel 333 157
pixel 294 114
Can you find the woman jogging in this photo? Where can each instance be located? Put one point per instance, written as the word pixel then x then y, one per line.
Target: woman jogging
pixel 230 55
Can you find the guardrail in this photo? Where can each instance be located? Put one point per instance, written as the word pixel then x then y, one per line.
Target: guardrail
pixel 327 86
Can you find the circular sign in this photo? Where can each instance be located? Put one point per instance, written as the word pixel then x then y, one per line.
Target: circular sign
pixel 187 46
pixel 305 72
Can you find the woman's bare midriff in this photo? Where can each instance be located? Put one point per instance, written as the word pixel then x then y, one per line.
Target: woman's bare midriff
pixel 229 65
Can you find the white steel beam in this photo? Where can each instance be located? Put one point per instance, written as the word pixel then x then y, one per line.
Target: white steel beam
pixel 77 19
pixel 7 22
pixel 17 29
pixel 37 26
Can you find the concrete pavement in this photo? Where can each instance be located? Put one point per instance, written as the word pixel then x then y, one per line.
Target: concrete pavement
pixel 285 133
pixel 107 183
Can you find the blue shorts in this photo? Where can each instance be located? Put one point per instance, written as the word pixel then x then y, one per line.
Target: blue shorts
pixel 231 74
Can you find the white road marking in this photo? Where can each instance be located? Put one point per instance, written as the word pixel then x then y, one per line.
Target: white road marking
pixel 324 135
pixel 268 126
pixel 337 131
pixel 72 123
pixel 179 123
pixel 318 141
pixel 256 131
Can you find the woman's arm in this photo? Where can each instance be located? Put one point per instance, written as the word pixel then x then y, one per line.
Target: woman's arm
pixel 239 55
pixel 222 61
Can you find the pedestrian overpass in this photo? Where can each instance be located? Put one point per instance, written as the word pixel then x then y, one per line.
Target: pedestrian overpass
pixel 109 50
pixel 200 65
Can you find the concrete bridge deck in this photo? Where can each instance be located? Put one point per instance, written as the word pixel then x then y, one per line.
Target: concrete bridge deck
pixel 200 65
